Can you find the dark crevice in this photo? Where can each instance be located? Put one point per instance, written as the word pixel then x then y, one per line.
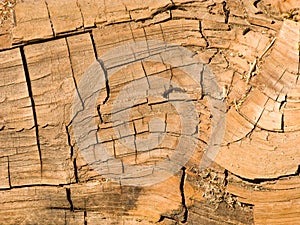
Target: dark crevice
pixel 202 34
pixel 255 3
pixel 28 81
pixel 85 217
pixel 225 178
pixel 99 114
pixel 164 9
pixel 2 128
pixel 39 41
pixel 161 10
pixel 94 44
pixel 78 209
pixel 246 31
pixel 282 103
pixel 105 74
pixel 181 187
pixel 69 142
pixel 34 185
pixel 75 170
pixel 72 155
pixel 8 172
pixel 74 80
pixel 282 122
pixel 101 63
pixel 49 16
pixel 162 218
pixel 171 90
pixel 211 58
pixel 135 146
pixel 68 192
pixel 262 180
pixel 226 11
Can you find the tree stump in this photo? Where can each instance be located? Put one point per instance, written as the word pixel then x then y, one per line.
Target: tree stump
pixel 151 112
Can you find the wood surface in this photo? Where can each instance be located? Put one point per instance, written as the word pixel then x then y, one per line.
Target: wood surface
pixel 252 48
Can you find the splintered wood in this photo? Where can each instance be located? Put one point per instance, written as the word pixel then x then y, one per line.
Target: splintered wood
pixel 251 48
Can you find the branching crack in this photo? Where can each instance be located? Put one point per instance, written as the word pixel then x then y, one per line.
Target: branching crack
pixel 106 78
pixel 226 11
pixel 72 155
pixel 28 81
pixel 202 34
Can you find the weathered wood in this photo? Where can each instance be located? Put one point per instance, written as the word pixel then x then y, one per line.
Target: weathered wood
pixel 252 49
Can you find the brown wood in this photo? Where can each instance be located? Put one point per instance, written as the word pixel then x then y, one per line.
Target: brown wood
pixel 251 47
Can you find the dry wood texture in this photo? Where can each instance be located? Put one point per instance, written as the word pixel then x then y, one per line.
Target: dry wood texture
pixel 252 47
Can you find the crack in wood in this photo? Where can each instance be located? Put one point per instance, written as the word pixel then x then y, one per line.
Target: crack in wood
pixel 73 159
pixel 28 82
pixel 68 193
pixel 226 11
pixel 78 5
pixel 50 20
pixel 101 63
pixel 202 35
pixel 183 201
pixel 262 180
pixel 85 217
pixel 74 79
pixel 33 185
pixel 255 3
pixel 8 173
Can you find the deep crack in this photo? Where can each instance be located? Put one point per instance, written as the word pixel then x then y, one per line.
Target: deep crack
pixel 183 202
pixel 68 192
pixel 28 81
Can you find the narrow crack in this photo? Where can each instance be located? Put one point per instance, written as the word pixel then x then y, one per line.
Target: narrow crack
pixel 75 170
pixel 226 11
pixel 135 146
pixel 101 63
pixel 85 217
pixel 225 177
pixel 78 5
pixel 68 192
pixel 106 83
pixel 94 44
pixel 28 81
pixel 8 173
pixel 282 122
pixel 49 16
pixel 183 202
pixel 72 70
pixel 34 185
pixel 202 34
pixel 262 180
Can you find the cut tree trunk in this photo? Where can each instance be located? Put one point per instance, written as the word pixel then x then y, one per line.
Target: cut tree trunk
pixel 47 49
